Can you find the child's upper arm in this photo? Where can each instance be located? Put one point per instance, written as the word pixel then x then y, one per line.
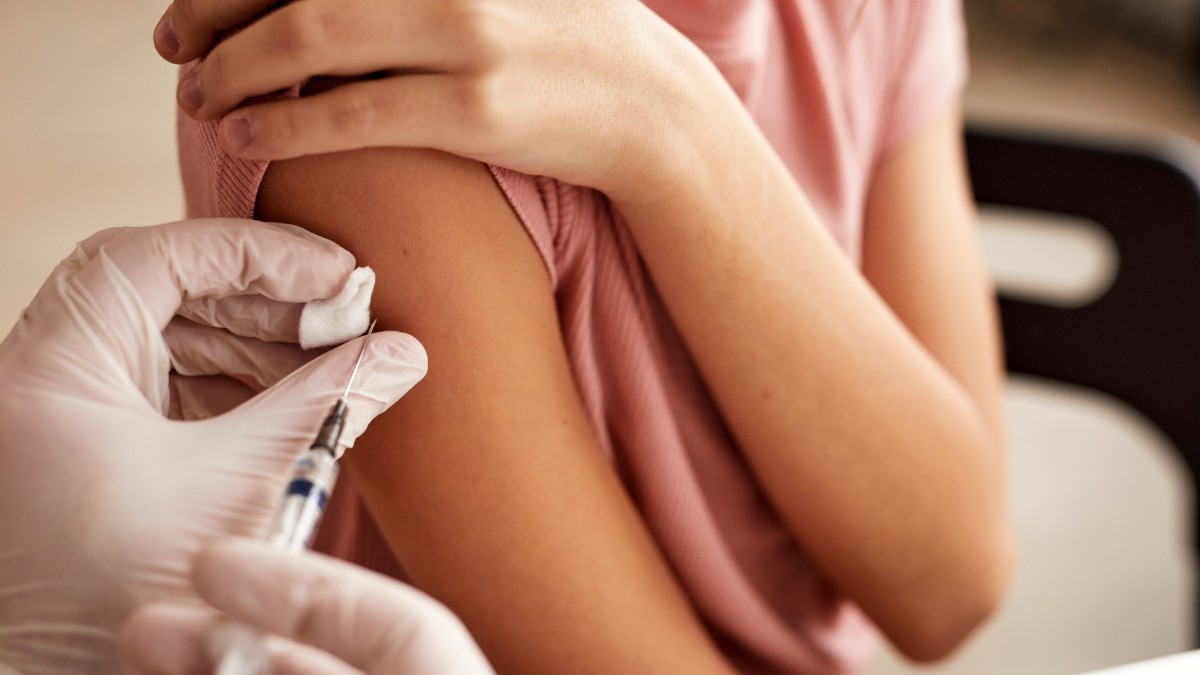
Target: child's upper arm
pixel 487 480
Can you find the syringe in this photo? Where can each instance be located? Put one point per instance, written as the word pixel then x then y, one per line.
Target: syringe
pixel 313 476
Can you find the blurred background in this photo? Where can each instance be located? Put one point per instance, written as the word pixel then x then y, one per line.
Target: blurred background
pixel 1100 498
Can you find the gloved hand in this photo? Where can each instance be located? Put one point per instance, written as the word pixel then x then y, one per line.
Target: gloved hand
pixel 319 607
pixel 104 499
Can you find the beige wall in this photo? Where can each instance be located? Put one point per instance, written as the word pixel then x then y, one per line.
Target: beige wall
pixel 86 132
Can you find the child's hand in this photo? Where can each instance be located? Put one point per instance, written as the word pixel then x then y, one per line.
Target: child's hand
pixel 590 92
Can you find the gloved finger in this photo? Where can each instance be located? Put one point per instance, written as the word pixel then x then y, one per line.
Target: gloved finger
pixel 164 639
pixel 291 410
pixel 253 316
pixel 159 639
pixel 372 622
pixel 199 398
pixel 258 652
pixel 88 247
pixel 214 258
pixel 106 320
pixel 318 323
pixel 286 657
pixel 204 350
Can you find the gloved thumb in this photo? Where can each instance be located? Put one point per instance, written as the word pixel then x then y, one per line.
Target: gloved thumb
pixel 291 412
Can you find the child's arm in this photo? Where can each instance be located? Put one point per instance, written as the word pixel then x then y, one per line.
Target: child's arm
pixel 871 415
pixel 872 426
pixel 486 479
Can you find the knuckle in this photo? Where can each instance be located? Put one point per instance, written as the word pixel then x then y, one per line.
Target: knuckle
pixel 440 621
pixel 480 102
pixel 217 79
pixel 194 25
pixel 213 71
pixel 306 28
pixel 322 603
pixel 481 32
pixel 277 127
pixel 432 626
pixel 466 105
pixel 183 13
pixel 354 117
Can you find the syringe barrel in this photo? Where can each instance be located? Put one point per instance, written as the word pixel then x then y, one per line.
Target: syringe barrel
pixel 307 493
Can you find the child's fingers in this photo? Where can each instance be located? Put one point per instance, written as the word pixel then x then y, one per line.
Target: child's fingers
pixel 189 28
pixel 306 39
pixel 416 111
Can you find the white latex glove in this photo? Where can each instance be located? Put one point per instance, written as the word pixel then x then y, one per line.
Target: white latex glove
pixel 331 618
pixel 104 500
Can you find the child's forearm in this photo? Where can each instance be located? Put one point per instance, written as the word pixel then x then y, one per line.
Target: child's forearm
pixel 886 467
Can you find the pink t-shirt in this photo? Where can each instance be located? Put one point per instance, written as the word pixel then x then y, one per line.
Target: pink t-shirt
pixel 836 85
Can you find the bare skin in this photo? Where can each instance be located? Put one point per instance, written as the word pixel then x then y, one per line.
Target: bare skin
pixel 487 481
pixel 867 403
pixel 481 525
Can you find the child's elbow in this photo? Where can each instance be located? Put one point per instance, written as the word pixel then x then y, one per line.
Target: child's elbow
pixel 940 627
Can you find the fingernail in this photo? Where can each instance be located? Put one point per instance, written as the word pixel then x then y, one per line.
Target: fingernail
pixel 238 132
pixel 164 36
pixel 189 93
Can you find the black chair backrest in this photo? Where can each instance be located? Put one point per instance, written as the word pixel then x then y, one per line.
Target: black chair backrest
pixel 1139 341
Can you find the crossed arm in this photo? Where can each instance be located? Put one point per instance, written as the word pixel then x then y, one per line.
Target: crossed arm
pixel 880 400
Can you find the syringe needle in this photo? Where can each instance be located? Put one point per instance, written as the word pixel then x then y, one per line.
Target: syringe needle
pixel 361 354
